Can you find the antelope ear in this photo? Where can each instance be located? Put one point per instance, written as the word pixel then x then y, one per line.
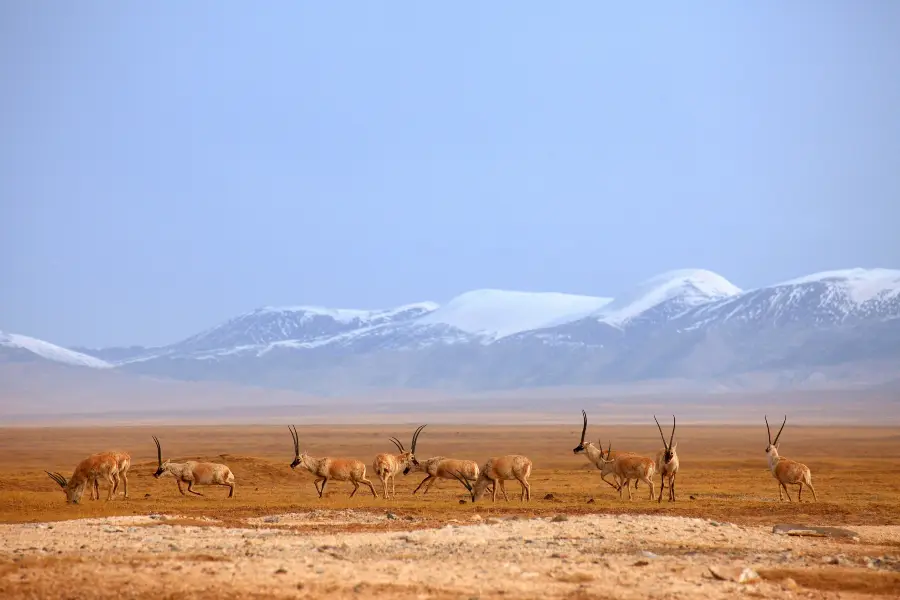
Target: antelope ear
pixel 675 445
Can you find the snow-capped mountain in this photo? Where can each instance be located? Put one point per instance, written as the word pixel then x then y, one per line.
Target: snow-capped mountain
pixel 495 314
pixel 689 323
pixel 668 295
pixel 21 347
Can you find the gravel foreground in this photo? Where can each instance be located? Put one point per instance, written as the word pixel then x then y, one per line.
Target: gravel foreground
pixel 597 556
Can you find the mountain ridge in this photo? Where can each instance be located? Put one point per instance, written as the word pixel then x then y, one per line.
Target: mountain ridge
pixel 689 323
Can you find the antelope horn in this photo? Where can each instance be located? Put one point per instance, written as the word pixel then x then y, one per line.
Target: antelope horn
pixel 608 450
pixel 59 479
pixel 415 438
pixel 769 431
pixel 584 429
pixel 158 451
pixel 672 437
pixel 780 430
pixel 463 480
pixel 296 438
pixel 661 433
pixel 397 443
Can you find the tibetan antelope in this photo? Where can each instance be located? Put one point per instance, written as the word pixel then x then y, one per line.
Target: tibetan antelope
pixel 499 469
pixel 786 470
pixel 193 472
pixel 439 467
pixel 96 466
pixel 339 469
pixel 386 465
pixel 595 455
pixel 630 466
pixel 123 463
pixel 667 462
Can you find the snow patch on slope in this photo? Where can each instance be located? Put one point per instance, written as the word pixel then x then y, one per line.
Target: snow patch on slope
pixel 495 314
pixel 348 315
pixel 860 285
pixel 51 351
pixel 692 287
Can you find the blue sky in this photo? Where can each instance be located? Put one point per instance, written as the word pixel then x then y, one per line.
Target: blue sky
pixel 166 166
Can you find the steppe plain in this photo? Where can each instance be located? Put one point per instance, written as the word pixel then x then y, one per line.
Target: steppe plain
pixel 277 539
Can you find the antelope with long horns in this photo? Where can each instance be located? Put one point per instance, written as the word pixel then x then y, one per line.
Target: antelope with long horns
pixel 439 467
pixel 503 468
pixel 194 473
pixel 101 465
pixel 667 462
pixel 787 471
pixel 123 463
pixel 387 466
pixel 628 467
pixel 595 455
pixel 338 469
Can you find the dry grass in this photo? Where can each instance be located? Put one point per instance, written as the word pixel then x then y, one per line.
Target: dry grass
pixel 855 470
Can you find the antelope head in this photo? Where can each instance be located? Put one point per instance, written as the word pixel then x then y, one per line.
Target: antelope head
pixel 772 448
pixel 73 493
pixel 161 466
pixel 410 456
pixel 580 446
pixel 299 457
pixel 670 449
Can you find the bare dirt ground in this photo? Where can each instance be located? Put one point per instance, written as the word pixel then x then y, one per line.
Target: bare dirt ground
pixel 276 538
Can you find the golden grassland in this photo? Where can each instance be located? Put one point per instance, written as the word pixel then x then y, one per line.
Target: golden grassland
pixel 723 476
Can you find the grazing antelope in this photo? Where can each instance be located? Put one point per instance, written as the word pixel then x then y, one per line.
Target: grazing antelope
pixel 667 462
pixel 339 469
pixel 96 466
pixel 595 455
pixel 123 463
pixel 628 467
pixel 439 467
pixel 786 470
pixel 502 468
pixel 386 465
pixel 193 472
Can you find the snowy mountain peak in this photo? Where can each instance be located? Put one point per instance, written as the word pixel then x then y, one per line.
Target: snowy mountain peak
pixel 860 285
pixel 51 351
pixel 689 287
pixel 499 313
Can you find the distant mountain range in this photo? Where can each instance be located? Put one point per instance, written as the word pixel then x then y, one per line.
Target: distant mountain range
pixel 683 325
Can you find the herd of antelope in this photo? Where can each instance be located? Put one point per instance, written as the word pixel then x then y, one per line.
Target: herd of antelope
pixel 112 466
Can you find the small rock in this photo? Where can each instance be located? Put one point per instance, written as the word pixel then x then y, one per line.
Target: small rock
pixel 491 522
pixel 409 518
pixel 692 497
pixel 590 501
pixel 391 516
pixel 281 571
pixel 477 518
pixel 830 560
pixel 789 584
pixel 737 574
pixel 559 519
pixel 647 554
pixel 558 555
pixel 805 530
pixel 462 501
pixel 549 497
pixel 272 519
pixel 641 563
pixel 146 495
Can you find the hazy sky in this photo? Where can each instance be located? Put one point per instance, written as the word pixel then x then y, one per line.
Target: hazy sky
pixel 165 166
